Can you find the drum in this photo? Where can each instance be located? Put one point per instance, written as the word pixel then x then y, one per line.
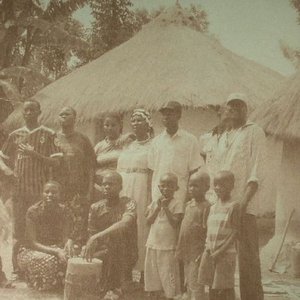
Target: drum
pixel 82 279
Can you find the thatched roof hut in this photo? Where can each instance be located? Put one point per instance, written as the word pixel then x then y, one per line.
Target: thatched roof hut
pixel 280 116
pixel 166 60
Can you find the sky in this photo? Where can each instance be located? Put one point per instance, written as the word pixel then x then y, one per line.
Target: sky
pixel 250 28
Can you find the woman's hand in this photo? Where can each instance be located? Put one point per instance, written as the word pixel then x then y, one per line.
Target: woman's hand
pixel 69 248
pixel 90 248
pixel 60 253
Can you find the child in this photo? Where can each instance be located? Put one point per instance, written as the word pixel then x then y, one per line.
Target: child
pixel 113 235
pixel 164 216
pixel 218 262
pixel 192 234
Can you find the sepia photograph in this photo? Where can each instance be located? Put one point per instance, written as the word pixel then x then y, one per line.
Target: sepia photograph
pixel 149 149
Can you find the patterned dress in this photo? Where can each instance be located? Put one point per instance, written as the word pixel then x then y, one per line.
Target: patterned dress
pixel 44 271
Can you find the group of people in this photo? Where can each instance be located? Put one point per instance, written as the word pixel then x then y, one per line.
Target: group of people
pixel 161 210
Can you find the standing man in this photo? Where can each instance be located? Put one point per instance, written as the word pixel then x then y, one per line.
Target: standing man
pixel 244 157
pixel 77 170
pixel 173 151
pixel 27 154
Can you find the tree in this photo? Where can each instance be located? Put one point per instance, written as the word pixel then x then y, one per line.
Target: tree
pixel 29 28
pixel 114 22
pixel 293 55
pixel 296 4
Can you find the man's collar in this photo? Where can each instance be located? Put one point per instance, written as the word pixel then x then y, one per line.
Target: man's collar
pixel 177 133
pixel 33 130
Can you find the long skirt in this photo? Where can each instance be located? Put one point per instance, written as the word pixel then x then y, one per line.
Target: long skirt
pixel 42 271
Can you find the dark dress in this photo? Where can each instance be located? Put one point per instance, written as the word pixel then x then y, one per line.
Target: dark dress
pixel 44 271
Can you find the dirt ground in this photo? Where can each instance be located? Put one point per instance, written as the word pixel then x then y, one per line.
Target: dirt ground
pixel 276 287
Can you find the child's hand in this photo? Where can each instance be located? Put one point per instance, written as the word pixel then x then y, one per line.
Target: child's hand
pixel 164 203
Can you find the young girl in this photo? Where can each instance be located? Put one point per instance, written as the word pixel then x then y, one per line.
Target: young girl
pixel 218 262
pixel 164 216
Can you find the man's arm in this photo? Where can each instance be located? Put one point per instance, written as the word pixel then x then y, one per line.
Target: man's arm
pixel 256 175
pixel 28 150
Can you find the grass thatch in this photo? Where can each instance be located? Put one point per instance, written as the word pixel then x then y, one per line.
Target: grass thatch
pixel 280 116
pixel 166 60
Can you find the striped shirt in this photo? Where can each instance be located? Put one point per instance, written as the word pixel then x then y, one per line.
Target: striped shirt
pixel 31 172
pixel 223 219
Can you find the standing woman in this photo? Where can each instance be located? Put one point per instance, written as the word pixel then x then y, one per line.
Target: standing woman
pixel 108 150
pixel 133 167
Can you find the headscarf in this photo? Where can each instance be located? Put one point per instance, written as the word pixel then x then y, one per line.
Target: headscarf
pixel 144 114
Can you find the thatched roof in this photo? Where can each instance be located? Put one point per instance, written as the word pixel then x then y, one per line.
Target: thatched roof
pixel 280 116
pixel 166 60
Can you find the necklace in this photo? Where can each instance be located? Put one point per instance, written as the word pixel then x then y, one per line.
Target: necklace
pixel 144 141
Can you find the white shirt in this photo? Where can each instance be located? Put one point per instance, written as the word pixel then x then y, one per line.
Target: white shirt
pixel 244 157
pixel 178 154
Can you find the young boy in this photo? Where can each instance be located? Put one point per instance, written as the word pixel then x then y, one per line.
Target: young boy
pixel 164 216
pixel 192 234
pixel 112 230
pixel 218 262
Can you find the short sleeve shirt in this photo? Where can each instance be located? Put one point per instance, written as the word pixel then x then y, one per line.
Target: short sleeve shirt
pixel 162 235
pixel 192 236
pixel 50 227
pixel 178 154
pixel 102 216
pixel 31 173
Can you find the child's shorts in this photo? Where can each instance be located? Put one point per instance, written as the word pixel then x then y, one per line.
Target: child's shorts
pixel 162 272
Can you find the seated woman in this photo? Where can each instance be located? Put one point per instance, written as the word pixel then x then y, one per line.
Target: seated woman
pixel 113 234
pixel 109 149
pixel 48 227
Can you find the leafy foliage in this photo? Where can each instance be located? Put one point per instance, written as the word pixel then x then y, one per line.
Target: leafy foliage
pixel 296 4
pixel 38 34
pixel 293 55
pixel 114 22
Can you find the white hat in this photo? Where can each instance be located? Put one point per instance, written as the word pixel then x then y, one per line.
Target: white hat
pixel 237 96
